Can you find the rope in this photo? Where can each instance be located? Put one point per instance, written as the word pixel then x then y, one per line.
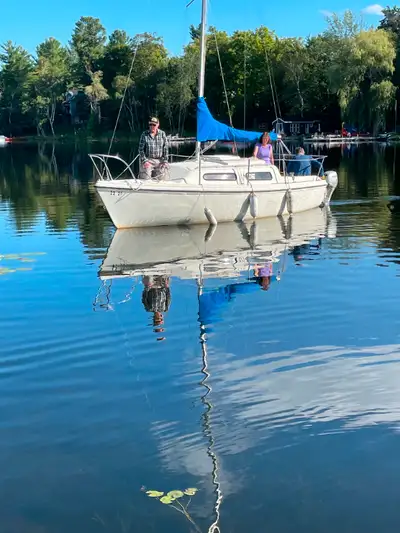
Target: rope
pixel 123 99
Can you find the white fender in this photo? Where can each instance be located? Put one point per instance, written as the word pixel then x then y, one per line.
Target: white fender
pixel 253 205
pixel 210 217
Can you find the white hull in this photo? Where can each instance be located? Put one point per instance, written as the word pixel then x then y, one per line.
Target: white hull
pixel 184 198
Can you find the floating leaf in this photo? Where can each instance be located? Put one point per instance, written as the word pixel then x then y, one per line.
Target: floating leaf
pixel 166 500
pixel 6 271
pixel 175 494
pixel 26 260
pixel 190 492
pixel 34 253
pixel 21 257
pixel 23 269
pixel 154 493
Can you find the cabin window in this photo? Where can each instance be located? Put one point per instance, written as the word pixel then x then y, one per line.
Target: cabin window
pixel 223 176
pixel 262 176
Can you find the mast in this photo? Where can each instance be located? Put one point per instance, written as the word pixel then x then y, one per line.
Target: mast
pixel 202 70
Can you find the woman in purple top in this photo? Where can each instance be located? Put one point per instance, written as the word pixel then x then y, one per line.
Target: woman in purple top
pixel 263 149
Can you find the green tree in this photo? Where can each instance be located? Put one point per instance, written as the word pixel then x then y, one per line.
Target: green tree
pixel 50 79
pixel 360 60
pixel 391 20
pixel 176 91
pixel 96 93
pixel 148 71
pixel 17 66
pixel 124 92
pixel 391 24
pixel 88 42
pixel 293 58
pixel 117 58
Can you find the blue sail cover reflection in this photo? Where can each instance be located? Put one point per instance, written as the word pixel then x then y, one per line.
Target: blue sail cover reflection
pixel 212 303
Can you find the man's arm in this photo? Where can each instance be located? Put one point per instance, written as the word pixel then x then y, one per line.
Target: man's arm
pixel 165 148
pixel 142 144
pixel 318 165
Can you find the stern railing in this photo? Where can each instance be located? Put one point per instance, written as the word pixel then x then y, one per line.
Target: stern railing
pixel 101 161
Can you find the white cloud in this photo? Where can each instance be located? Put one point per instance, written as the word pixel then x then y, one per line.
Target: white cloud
pixel 326 13
pixel 373 9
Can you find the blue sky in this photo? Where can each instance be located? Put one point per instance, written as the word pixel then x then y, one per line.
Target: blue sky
pixel 28 23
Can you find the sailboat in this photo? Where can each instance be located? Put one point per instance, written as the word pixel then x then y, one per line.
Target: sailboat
pixel 209 188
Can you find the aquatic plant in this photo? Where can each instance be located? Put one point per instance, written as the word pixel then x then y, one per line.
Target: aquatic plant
pixel 176 500
pixel 22 258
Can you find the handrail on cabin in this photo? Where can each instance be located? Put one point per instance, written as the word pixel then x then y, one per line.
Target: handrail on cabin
pixel 105 173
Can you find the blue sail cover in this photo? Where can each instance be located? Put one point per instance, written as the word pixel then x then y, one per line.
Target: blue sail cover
pixel 209 129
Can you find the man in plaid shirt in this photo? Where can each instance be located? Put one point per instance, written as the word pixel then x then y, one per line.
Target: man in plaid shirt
pixel 153 151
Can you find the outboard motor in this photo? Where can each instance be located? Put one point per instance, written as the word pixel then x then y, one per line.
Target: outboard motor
pixel 332 181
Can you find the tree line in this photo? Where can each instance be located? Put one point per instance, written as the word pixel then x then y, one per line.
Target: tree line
pixel 347 73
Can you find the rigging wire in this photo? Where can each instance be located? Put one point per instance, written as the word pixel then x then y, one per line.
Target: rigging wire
pixel 224 85
pixel 223 79
pixel 128 79
pixel 244 81
pixel 244 87
pixel 272 85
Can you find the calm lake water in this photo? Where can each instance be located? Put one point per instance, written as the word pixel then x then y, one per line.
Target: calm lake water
pixel 278 397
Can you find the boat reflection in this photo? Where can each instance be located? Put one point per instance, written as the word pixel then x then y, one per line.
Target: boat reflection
pixel 221 251
pixel 256 253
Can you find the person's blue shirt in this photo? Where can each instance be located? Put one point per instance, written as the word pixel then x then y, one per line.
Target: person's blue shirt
pixel 301 165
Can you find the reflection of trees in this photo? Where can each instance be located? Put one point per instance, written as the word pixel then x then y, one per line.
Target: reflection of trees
pixel 54 181
pixel 369 171
pixel 363 224
pixel 365 171
pixel 390 241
